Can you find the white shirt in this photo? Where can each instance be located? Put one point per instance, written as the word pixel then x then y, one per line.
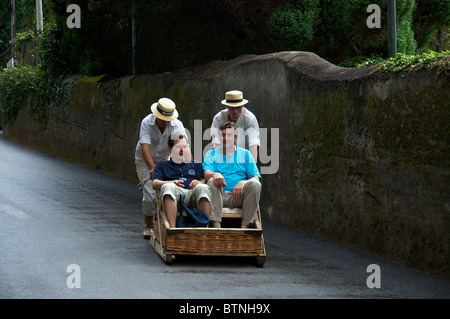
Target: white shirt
pixel 151 134
pixel 247 124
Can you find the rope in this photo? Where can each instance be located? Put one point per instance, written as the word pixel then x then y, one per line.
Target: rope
pixel 142 183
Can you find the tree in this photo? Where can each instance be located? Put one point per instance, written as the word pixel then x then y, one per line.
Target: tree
pixel 174 34
pixel 431 17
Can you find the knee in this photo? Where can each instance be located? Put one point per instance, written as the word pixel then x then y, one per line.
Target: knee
pixel 202 191
pixel 254 185
pixel 202 188
pixel 211 184
pixel 168 188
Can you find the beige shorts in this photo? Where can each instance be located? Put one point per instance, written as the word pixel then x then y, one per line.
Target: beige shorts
pixel 193 196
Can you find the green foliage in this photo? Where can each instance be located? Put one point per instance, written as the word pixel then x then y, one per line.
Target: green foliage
pixel 360 61
pixel 23 38
pixel 44 94
pixel 21 41
pixel 430 60
pixel 405 36
pixel 47 51
pixel 15 86
pixel 430 16
pixel 178 34
pixel 292 26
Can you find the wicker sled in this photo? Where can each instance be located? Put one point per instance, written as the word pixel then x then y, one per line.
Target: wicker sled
pixel 230 240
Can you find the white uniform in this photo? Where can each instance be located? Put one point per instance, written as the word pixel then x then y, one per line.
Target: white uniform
pixel 151 134
pixel 247 124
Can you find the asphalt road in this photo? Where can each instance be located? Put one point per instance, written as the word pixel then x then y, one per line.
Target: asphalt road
pixel 54 214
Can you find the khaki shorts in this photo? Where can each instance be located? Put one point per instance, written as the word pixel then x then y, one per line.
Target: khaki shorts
pixel 193 196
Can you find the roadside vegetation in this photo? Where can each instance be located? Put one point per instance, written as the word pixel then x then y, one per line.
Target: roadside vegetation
pixel 172 35
pixel 431 60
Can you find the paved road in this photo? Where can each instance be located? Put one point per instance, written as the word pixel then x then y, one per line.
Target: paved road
pixel 54 214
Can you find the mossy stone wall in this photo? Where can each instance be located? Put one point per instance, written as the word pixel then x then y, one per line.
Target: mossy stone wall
pixel 364 155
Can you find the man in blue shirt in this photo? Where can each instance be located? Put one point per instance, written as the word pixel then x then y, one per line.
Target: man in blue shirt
pixel 233 177
pixel 181 175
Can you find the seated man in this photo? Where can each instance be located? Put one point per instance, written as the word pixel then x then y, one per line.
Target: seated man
pixel 233 177
pixel 181 175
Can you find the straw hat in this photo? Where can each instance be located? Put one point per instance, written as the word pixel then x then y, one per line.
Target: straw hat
pixel 165 109
pixel 234 99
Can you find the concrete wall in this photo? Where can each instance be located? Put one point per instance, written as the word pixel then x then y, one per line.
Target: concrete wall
pixel 364 155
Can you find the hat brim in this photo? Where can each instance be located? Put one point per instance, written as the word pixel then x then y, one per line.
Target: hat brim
pixel 243 102
pixel 174 116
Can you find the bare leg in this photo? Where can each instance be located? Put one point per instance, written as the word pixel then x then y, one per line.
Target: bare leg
pixel 170 207
pixel 204 206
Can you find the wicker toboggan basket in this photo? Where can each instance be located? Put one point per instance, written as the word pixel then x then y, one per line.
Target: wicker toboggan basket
pixel 205 241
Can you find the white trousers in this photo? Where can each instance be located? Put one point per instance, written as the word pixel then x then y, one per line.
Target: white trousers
pixel 149 194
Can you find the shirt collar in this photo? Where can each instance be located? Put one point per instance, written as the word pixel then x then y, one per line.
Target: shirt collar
pixel 153 120
pixel 171 160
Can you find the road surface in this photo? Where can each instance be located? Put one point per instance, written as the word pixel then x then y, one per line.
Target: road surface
pixel 67 231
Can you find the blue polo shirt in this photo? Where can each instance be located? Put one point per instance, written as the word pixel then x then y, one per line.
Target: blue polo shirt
pixel 169 171
pixel 235 168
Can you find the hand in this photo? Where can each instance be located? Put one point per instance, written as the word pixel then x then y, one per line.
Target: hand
pixel 178 182
pixel 219 180
pixel 194 183
pixel 238 190
pixel 151 172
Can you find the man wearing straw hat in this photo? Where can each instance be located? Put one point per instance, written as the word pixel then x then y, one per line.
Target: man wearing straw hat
pixel 246 122
pixel 151 149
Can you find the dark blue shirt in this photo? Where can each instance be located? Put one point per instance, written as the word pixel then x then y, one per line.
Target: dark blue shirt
pixel 169 171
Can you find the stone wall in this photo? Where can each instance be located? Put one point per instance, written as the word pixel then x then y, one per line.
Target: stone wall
pixel 363 155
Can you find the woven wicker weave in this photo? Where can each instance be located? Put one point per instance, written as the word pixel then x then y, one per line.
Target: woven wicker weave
pixel 214 241
pixel 206 241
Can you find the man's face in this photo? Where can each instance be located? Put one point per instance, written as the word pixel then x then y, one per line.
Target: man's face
pixel 228 138
pixel 180 151
pixel 234 112
pixel 162 123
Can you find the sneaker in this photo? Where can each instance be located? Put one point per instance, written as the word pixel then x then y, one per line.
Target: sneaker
pixel 148 232
pixel 149 226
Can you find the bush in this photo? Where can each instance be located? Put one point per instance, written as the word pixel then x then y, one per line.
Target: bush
pixel 16 85
pixel 47 51
pixel 292 27
pixel 31 86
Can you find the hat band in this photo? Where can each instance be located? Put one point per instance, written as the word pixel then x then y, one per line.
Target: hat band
pixel 234 101
pixel 164 112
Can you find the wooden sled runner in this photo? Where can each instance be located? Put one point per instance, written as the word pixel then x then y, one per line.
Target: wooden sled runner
pixel 230 240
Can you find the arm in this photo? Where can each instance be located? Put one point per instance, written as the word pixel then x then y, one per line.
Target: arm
pixel 215 132
pixel 156 184
pixel 195 182
pixel 254 150
pixel 219 180
pixel 253 137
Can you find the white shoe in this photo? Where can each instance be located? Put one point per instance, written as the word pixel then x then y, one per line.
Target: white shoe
pixel 148 232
